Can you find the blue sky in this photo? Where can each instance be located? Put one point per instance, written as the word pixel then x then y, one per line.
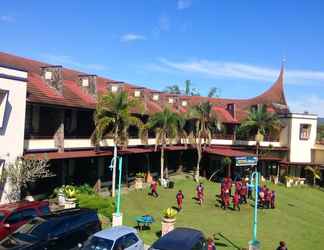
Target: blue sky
pixel 237 46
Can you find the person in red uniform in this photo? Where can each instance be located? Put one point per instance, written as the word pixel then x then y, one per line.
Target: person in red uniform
pixel 230 182
pixel 268 198
pixel 179 198
pixel 238 186
pixel 226 199
pixel 154 189
pixel 236 201
pixel 210 244
pixel 243 192
pixel 200 193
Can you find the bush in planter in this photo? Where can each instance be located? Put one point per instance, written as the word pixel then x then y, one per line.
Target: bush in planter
pixel 140 175
pixel 169 213
pixel 85 189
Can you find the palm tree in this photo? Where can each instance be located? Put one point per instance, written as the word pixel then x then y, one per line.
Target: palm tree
pixel 213 92
pixel 316 172
pixel 204 123
pixel 259 123
pixel 113 115
pixel 167 126
pixel 173 89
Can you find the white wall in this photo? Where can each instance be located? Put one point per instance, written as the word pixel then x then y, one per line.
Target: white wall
pixel 12 133
pixel 301 150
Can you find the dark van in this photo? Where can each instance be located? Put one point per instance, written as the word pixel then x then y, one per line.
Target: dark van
pixel 62 230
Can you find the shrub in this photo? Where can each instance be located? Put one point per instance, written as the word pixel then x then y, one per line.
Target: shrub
pixel 104 206
pixel 85 189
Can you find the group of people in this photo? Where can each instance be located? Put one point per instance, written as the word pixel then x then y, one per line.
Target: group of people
pixel 180 195
pixel 267 197
pixel 242 192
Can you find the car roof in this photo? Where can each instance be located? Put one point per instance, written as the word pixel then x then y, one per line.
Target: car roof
pixel 67 213
pixel 179 238
pixel 21 204
pixel 114 233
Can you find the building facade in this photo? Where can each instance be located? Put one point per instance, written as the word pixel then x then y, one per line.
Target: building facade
pixel 47 111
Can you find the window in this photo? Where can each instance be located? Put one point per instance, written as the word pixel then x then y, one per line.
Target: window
pixel 129 240
pixel 85 82
pixel 14 218
pixel 3 103
pixel 98 244
pixel 28 214
pixel 155 97
pixel 184 103
pixel 114 88
pixel 171 100
pixel 304 131
pixel 200 245
pixel 48 75
pixel 137 93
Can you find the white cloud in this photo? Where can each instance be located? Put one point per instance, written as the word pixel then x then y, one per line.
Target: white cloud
pixel 130 37
pixel 7 18
pixel 238 70
pixel 183 4
pixel 312 103
pixel 71 62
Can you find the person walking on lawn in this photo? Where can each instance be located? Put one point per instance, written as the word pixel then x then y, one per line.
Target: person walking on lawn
pixel 243 192
pixel 236 201
pixel 273 199
pixel 179 198
pixel 154 189
pixel 282 246
pixel 200 193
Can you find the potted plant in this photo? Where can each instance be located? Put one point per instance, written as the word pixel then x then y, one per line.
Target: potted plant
pixel 168 220
pixel 70 197
pixel 289 181
pixel 59 193
pixel 139 180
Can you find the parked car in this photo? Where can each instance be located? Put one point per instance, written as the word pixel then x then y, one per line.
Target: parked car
pixel 115 238
pixel 181 238
pixel 14 215
pixel 62 230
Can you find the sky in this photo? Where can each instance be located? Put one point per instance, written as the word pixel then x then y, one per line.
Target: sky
pixel 236 46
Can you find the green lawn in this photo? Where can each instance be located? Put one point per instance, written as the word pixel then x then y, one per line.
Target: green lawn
pixel 298 218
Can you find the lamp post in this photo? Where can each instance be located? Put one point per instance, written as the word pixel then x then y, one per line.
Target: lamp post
pixel 254 244
pixel 117 216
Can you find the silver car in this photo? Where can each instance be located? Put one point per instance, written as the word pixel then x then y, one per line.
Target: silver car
pixel 115 238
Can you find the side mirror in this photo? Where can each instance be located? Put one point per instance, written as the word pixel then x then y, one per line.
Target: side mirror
pixel 7 225
pixel 80 245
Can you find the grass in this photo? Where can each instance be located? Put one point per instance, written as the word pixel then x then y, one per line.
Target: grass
pixel 104 206
pixel 298 218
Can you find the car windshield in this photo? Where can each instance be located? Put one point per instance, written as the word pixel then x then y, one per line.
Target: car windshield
pixel 35 229
pixel 96 243
pixel 2 216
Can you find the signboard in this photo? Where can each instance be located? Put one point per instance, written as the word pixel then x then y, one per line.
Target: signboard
pixel 246 160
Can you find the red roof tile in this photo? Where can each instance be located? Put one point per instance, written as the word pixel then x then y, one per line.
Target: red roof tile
pixel 73 96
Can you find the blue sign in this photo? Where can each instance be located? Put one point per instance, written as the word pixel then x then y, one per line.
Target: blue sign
pixel 246 161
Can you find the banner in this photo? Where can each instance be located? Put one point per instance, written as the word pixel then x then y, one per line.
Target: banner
pixel 246 160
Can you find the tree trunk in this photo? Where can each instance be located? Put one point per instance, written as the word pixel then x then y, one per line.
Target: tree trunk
pixel 162 163
pixel 198 162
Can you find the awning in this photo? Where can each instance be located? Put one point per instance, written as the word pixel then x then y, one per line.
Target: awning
pixel 67 154
pixel 227 151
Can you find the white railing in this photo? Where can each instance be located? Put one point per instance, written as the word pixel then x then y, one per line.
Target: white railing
pixel 39 144
pixel 48 144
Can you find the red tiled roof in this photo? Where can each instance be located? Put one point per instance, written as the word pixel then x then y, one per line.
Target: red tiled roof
pixel 73 96
pixel 226 151
pixel 223 115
